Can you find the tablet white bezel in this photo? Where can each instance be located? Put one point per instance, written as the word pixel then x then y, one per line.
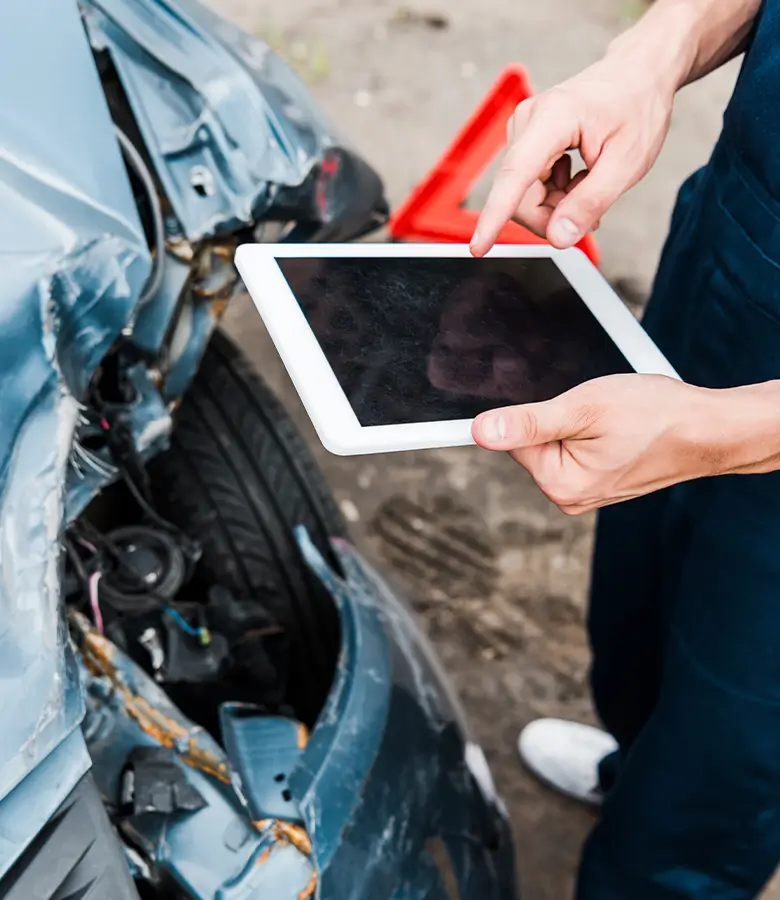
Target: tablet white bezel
pixel 326 404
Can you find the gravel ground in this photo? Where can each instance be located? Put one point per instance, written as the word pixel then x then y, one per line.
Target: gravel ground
pixel 496 574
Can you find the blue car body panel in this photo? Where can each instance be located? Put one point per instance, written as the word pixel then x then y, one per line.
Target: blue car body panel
pixel 74 262
pixel 390 771
pixel 224 119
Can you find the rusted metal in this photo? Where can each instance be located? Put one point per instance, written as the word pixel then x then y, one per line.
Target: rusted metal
pixel 287 833
pixel 210 259
pixel 97 653
pixel 181 249
pixel 308 892
pixel 294 835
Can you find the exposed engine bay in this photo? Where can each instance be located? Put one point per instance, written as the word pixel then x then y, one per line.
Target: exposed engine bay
pixel 187 723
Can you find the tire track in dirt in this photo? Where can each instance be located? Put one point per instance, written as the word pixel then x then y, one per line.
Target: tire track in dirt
pixel 466 581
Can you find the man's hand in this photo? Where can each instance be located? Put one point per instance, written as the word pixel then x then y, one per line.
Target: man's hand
pixel 616 115
pixel 622 436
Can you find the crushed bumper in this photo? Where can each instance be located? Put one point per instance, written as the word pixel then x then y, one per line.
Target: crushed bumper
pixel 397 800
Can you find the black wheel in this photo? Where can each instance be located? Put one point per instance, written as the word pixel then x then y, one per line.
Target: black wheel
pixel 238 478
pixel 75 855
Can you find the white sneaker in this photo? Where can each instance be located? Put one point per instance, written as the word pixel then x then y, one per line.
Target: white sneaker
pixel 566 756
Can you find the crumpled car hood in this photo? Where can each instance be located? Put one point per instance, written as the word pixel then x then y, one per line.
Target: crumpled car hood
pixel 233 123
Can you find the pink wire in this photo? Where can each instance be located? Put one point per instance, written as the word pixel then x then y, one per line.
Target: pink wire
pixel 94 579
pixel 91 547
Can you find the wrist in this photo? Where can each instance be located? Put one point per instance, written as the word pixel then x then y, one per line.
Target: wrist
pixel 662 45
pixel 739 429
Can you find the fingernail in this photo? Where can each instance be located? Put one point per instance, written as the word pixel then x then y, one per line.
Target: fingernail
pixel 564 233
pixel 493 428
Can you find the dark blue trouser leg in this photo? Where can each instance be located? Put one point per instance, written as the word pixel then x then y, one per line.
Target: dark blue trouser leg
pixel 685 606
pixel 695 810
pixel 625 617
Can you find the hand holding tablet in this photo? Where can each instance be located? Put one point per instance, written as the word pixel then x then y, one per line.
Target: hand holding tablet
pixel 399 347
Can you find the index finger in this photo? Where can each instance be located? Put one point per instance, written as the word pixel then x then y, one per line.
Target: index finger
pixel 534 151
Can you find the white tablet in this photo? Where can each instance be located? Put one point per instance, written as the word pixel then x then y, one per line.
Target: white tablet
pixel 400 346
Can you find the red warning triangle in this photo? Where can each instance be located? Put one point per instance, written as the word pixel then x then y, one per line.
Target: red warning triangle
pixel 434 210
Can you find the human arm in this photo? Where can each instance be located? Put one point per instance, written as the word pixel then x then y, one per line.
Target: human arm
pixel 622 436
pixel 719 30
pixel 616 113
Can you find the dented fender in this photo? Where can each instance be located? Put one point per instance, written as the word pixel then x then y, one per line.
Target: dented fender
pixel 397 799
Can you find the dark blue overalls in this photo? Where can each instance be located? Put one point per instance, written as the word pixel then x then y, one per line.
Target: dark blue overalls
pixel 685 606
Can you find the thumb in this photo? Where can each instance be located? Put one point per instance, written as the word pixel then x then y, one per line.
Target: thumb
pixel 515 427
pixel 591 196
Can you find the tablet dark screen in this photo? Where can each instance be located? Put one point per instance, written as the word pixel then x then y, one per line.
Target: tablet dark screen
pixel 426 340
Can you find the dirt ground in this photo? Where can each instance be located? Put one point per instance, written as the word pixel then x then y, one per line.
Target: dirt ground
pixel 496 574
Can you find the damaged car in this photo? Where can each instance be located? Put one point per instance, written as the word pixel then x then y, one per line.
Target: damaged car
pixel 206 692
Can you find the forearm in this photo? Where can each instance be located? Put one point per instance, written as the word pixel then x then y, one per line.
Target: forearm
pixel 740 430
pixel 683 40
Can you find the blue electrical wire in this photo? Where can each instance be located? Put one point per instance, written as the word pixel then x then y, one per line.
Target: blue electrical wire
pixel 200 633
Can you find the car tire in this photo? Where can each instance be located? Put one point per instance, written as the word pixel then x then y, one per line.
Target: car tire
pixel 75 855
pixel 238 478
